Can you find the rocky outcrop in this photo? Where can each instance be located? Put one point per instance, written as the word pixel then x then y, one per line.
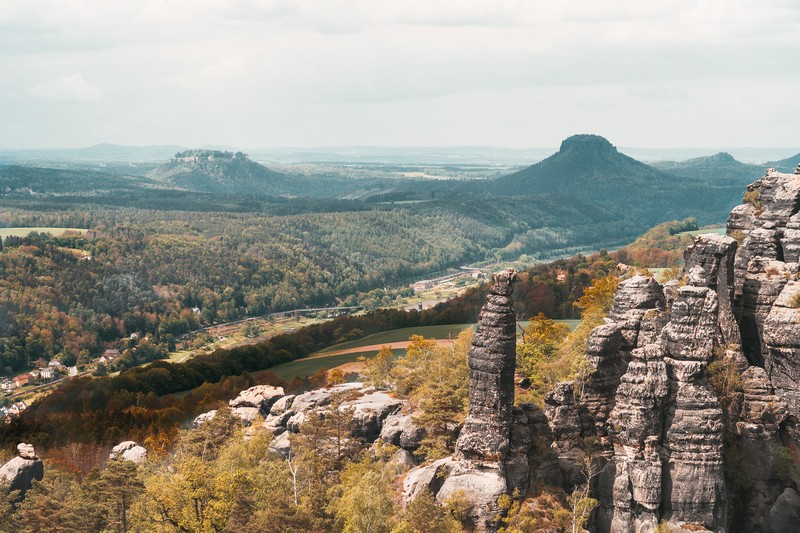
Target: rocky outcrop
pixel 370 411
pixel 670 432
pixel 19 472
pixel 129 451
pixel 666 423
pixel 781 333
pixel 784 515
pixel 400 430
pixel 491 452
pixel 254 402
pixel 638 306
pixel 768 229
pixel 492 363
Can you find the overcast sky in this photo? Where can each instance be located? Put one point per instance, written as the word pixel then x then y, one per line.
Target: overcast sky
pixel 253 73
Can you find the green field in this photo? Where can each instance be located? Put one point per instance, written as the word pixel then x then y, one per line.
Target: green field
pixel 400 335
pixel 696 232
pixel 311 365
pixel 23 232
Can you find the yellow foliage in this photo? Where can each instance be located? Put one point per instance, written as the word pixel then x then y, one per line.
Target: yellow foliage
pixel 377 369
pixel 334 376
pixel 548 356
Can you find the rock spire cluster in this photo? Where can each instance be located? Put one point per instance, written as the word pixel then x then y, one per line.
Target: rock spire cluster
pixel 693 406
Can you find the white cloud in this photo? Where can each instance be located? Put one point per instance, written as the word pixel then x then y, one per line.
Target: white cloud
pixel 371 71
pixel 72 87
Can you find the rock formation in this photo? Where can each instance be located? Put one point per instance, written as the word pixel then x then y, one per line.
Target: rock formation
pixel 19 472
pixel 492 362
pixel 665 433
pixel 491 456
pixel 129 451
pixel 255 401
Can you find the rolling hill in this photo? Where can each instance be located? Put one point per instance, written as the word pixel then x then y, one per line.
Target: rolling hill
pixel 589 168
pixel 785 165
pixel 214 171
pixel 718 168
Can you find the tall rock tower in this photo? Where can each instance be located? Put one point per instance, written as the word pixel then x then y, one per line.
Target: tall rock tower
pixel 492 358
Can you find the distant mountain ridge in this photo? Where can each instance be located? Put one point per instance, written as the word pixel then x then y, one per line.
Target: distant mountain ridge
pixel 98 152
pixel 785 165
pixel 720 167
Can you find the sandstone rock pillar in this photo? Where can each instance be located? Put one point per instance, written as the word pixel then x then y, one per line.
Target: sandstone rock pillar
pixel 492 358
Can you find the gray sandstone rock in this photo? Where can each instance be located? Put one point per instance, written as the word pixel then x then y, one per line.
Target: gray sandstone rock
pixel 129 451
pixel 282 405
pixel 399 430
pixel 370 411
pixel 784 515
pixel 492 361
pixel 492 449
pixel 19 472
pixel 203 418
pixel 261 398
pixel 781 333
pixel 281 445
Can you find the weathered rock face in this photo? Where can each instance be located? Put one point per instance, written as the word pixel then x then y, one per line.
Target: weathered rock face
pixel 638 304
pixel 784 515
pixel 254 402
pixel 492 362
pixel 768 229
pixel 129 451
pixel 781 332
pixel 666 423
pixel 370 411
pixel 19 472
pixel 399 430
pixel 491 456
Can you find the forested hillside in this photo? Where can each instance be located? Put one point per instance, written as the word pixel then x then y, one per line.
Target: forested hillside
pixel 590 168
pixel 207 231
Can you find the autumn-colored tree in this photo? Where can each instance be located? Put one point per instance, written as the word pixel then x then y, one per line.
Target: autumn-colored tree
pixel 334 377
pixel 425 515
pixel 594 305
pixel 191 495
pixel 441 396
pixel 411 371
pixel 538 354
pixel 377 369
pixel 362 501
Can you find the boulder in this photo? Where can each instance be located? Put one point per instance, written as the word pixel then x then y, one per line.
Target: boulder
pixel 784 515
pixel 19 472
pixel 129 451
pixel 399 430
pixel 203 418
pixel 281 445
pixel 247 415
pixel 282 405
pixel 481 485
pixel 261 398
pixel 369 413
